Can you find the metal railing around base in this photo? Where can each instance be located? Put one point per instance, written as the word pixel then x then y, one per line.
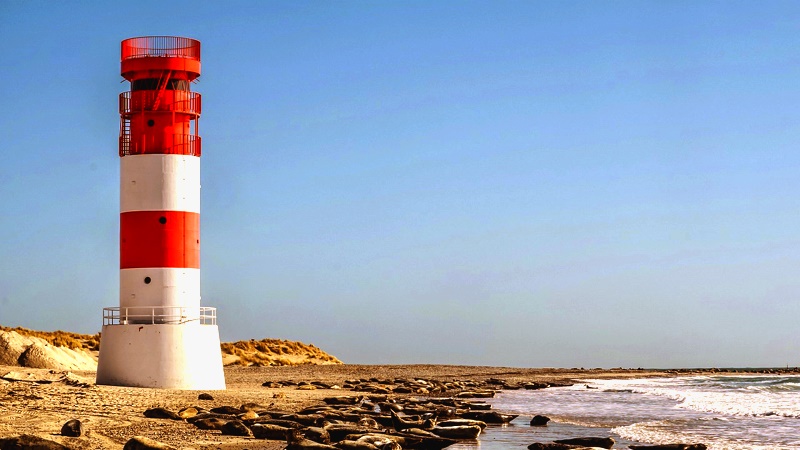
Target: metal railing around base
pixel 139 315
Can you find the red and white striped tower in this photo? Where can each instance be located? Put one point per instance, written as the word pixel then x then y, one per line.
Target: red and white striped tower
pixel 160 336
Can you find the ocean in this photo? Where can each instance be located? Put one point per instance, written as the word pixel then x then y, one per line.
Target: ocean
pixel 723 412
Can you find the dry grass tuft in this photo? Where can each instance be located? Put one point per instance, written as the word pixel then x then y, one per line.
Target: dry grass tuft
pixel 276 352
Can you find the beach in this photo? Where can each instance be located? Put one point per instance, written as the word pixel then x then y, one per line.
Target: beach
pixel 40 401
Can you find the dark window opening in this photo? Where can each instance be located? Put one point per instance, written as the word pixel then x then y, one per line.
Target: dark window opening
pixel 147 280
pixel 162 220
pixel 151 122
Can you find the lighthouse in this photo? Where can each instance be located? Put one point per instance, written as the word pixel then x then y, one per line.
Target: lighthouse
pixel 160 336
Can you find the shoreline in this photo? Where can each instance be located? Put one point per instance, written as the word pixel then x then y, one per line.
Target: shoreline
pixel 40 401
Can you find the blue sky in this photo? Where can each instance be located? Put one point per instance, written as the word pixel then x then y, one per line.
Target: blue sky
pixel 492 183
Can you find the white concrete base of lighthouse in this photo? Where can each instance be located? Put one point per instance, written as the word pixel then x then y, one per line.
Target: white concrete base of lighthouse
pixel 168 356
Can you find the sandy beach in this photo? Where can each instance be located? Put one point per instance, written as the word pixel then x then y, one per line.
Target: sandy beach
pixel 40 401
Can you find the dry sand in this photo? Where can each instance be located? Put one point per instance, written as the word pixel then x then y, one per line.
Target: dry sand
pixel 39 401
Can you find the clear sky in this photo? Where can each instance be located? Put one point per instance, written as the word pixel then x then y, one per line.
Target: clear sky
pixel 523 183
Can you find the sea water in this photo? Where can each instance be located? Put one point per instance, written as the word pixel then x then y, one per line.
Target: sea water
pixel 723 412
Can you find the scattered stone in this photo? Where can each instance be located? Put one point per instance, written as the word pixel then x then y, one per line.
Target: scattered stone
pixel 145 443
pixel 318 434
pixel 210 423
pixel 296 441
pixel 489 416
pixel 226 410
pixel 236 428
pixel 539 421
pixel 29 442
pixel 354 445
pixel 551 446
pixel 72 428
pixel 588 442
pixel 186 413
pixel 205 396
pixel 161 413
pixel 268 431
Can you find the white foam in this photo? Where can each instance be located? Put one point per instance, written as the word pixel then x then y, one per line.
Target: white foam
pixel 761 399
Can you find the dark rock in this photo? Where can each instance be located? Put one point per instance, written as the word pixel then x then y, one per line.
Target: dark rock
pixel 29 442
pixel 348 400
pixel 535 386
pixel 226 410
pixel 339 432
pixel 144 443
pixel 205 396
pixel 72 428
pixel 309 420
pixel 551 446
pixel 161 413
pixel 208 415
pixel 489 416
pixel 296 441
pixel 268 431
pixel 210 423
pixel 539 421
pixel 478 406
pixel 235 428
pixel 280 422
pixel 588 442
pixel 347 444
pixel 252 407
pixel 317 434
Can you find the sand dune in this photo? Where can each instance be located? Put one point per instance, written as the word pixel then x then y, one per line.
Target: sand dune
pixel 61 350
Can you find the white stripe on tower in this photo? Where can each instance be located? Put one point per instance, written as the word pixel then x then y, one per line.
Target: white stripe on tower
pixel 159 215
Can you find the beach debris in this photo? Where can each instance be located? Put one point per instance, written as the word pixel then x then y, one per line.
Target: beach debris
pixel 72 428
pixel 539 421
pixel 29 441
pixel 145 443
pixel 600 442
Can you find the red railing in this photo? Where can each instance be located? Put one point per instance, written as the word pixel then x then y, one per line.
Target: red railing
pixel 182 144
pixel 179 101
pixel 157 46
